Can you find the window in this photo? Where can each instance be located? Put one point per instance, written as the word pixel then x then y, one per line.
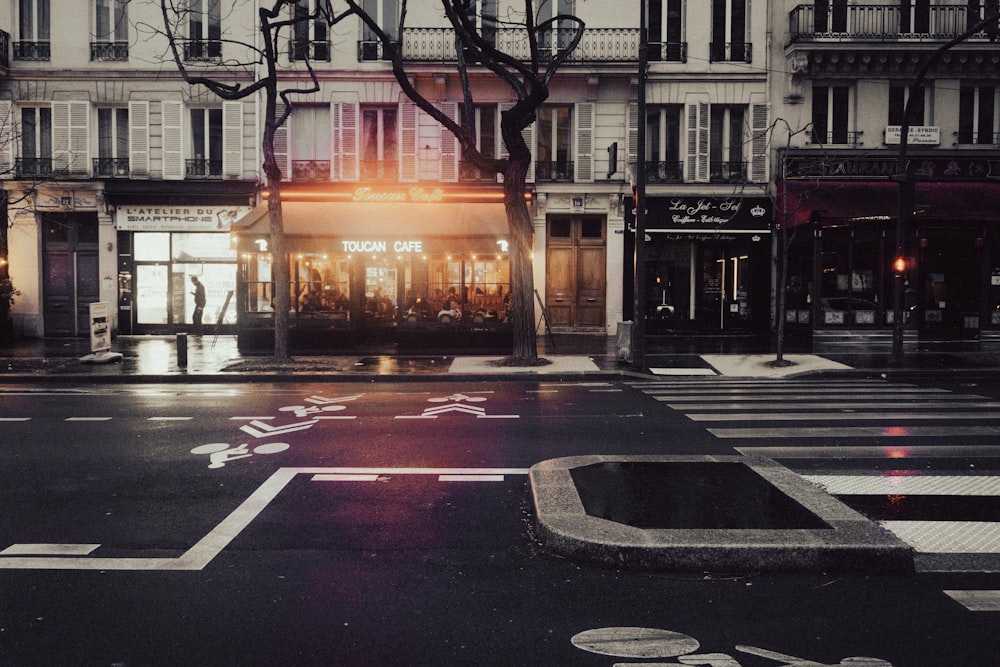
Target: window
pixel 560 35
pixel 483 15
pixel 36 143
pixel 977 115
pixel 663 144
pixel 111 30
pixel 898 96
pixel 206 143
pixel 385 14
pixel 666 31
pixel 112 143
pixel 830 115
pixel 726 140
pixel 831 16
pixel 33 30
pixel 486 131
pixel 204 30
pixel 554 159
pixel 915 16
pixel 729 31
pixel 311 143
pixel 379 143
pixel 310 40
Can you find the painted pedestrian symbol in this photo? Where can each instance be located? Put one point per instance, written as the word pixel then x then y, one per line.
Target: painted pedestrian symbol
pixel 657 643
pixel 220 453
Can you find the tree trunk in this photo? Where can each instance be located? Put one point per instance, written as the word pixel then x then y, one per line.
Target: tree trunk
pixel 280 271
pixel 522 277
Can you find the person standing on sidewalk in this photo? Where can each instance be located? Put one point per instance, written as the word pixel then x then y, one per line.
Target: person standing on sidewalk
pixel 199 304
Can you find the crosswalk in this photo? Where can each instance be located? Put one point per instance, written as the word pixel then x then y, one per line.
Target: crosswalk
pixel 919 461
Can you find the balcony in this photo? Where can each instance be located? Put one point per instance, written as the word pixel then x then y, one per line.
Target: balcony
pixel 598 45
pixel 470 173
pixel 33 167
pixel 198 50
pixel 823 22
pixel 111 167
pixel 304 49
pixel 201 169
pixel 554 172
pixel 38 51
pixel 4 49
pixel 379 170
pixel 670 171
pixel 727 171
pixel 310 170
pixel 104 51
pixel 838 138
pixel 730 52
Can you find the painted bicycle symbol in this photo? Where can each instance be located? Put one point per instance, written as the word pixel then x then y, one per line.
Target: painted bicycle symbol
pixel 221 453
pixel 657 643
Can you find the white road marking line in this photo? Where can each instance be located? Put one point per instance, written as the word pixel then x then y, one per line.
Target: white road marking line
pixel 345 478
pixel 49 549
pixel 88 419
pixel 854 431
pixel 248 418
pixel 946 537
pixel 976 600
pixel 872 452
pixel 15 419
pixel 930 485
pixel 170 419
pixel 344 417
pixel 470 478
pixel 606 391
pixel 683 371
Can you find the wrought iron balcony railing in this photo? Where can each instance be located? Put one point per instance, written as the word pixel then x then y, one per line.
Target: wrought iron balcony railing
pixel 824 21
pixel 111 167
pixel 202 50
pixel 669 171
pixel 470 173
pixel 852 138
pixel 560 171
pixel 379 169
pixel 304 49
pixel 197 169
pixel 108 51
pixel 33 167
pixel 4 48
pixel 728 171
pixel 719 52
pixel 310 170
pixel 32 51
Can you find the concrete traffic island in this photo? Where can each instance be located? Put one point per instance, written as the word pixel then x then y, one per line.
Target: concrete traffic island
pixel 703 513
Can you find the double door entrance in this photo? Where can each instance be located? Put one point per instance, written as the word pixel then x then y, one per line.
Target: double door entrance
pixel 71 276
pixel 576 274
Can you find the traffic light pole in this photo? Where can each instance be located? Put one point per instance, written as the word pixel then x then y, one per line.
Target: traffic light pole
pixel 639 183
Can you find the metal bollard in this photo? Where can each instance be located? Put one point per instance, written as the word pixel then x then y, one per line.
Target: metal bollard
pixel 182 350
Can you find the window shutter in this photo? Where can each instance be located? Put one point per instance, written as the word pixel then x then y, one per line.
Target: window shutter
pixel 408 141
pixel 60 137
pixel 344 152
pixel 138 139
pixel 697 142
pixel 584 164
pixel 758 143
pixel 6 138
pixel 232 139
pixel 280 142
pixel 632 138
pixel 173 140
pixel 449 145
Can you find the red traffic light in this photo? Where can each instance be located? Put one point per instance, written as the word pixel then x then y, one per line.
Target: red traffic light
pixel 900 265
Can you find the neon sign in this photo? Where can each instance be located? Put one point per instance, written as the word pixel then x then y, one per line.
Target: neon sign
pixel 416 194
pixel 382 246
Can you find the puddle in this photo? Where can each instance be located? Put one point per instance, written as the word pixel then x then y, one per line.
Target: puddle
pixel 687 495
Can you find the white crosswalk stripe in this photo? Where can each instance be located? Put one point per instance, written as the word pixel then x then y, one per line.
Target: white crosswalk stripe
pixel 872 422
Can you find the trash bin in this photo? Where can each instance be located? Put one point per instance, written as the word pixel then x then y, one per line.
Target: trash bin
pixel 623 342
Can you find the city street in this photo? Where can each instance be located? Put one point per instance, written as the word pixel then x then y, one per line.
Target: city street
pixel 382 523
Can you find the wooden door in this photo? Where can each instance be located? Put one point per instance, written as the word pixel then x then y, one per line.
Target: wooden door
pixel 576 279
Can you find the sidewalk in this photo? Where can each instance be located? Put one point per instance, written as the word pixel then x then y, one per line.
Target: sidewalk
pixel 210 358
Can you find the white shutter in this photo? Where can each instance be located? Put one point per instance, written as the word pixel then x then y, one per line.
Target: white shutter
pixel 173 140
pixel 6 138
pixel 60 137
pixel 408 142
pixel 584 138
pixel 632 137
pixel 697 142
pixel 79 138
pixel 232 139
pixel 449 144
pixel 280 142
pixel 344 152
pixel 138 139
pixel 758 143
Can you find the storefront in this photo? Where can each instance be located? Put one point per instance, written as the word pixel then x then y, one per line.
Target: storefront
pixel 707 263
pixel 400 263
pixel 843 243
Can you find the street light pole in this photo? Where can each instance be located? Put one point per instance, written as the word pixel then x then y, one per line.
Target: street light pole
pixel 639 183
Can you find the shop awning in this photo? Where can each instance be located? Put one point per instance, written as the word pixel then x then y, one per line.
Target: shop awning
pixel 873 201
pixel 382 220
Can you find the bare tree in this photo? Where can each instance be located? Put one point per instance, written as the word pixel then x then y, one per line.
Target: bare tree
pixel 528 79
pixel 273 20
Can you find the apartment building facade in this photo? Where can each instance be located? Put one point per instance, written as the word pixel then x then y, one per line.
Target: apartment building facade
pixel 124 181
pixel 843 79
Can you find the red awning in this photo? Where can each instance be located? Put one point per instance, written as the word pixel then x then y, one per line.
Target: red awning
pixel 861 201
